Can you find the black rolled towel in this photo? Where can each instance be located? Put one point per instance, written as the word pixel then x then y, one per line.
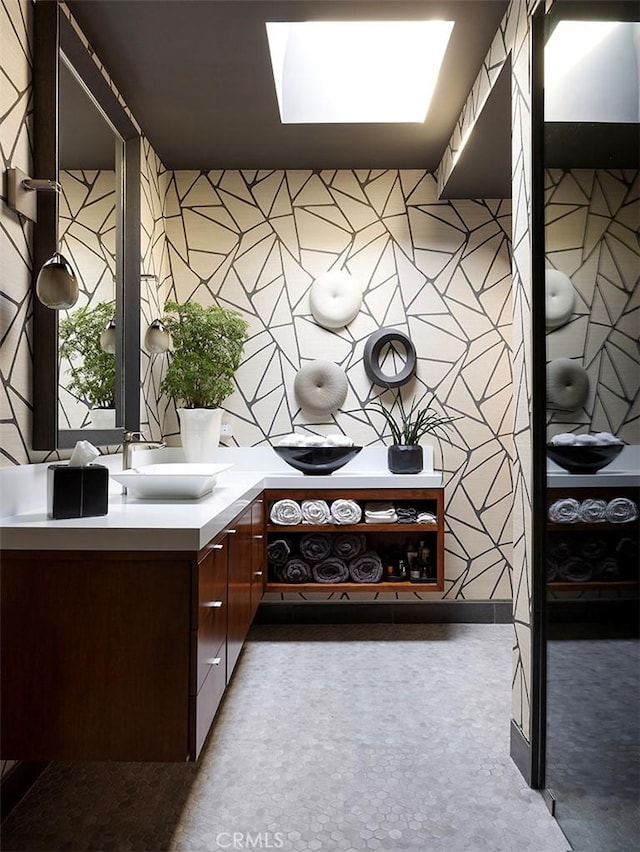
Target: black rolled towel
pixel 608 569
pixel 592 547
pixel 315 546
pixel 278 551
pixel 366 568
pixel 330 570
pixel 560 547
pixel 575 570
pixel 552 570
pixel 348 545
pixel 294 571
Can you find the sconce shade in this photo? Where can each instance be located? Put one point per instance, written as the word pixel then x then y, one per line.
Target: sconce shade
pixel 108 338
pixel 56 285
pixel 156 339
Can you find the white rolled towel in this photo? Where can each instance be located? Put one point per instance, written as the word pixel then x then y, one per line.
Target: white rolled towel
pixel 346 512
pixel 621 510
pixel 315 512
pixel 586 440
pixel 336 439
pixel 566 511
pixel 593 511
pixel 315 441
pixel 564 439
pixel 426 518
pixel 286 512
pixel 604 438
pixel 291 440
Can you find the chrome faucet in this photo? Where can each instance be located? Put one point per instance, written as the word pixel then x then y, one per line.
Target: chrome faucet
pixel 135 441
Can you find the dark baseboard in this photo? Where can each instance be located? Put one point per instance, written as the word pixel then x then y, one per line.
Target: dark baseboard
pixel 352 612
pixel 520 751
pixel 17 783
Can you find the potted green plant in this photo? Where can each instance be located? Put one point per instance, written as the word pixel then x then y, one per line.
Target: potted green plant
pixel 206 347
pixel 407 428
pixel 92 368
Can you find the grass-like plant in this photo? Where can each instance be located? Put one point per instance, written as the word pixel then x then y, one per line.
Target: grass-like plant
pixel 92 370
pixel 206 347
pixel 408 427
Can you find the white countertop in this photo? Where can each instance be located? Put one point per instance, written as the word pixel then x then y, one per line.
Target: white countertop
pixel 161 525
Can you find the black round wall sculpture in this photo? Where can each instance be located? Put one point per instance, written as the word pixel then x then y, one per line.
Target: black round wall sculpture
pixel 375 344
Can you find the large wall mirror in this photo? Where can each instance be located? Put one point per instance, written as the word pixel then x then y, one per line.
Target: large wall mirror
pixel 587 258
pixel 85 140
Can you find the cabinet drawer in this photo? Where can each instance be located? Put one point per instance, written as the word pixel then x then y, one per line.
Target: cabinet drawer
pixel 208 699
pixel 212 614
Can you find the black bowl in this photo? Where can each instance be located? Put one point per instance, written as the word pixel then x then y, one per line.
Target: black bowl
pixel 317 460
pixel 588 458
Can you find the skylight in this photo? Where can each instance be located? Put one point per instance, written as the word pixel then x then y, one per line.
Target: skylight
pixel 356 71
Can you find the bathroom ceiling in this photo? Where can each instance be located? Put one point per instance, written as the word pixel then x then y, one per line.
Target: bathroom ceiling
pixel 197 76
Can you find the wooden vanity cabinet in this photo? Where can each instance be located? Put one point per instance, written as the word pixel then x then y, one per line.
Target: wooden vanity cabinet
pixel 121 656
pixel 258 556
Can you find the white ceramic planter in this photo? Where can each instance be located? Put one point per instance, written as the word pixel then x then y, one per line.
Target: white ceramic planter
pixel 200 433
pixel 103 418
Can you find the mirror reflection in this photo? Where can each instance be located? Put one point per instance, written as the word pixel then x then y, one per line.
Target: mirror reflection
pixel 89 233
pixel 592 186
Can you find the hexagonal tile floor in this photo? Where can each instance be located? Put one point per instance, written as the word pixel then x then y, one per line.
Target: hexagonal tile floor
pixel 345 737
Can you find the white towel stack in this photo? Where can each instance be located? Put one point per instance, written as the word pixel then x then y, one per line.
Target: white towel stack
pixel 334 440
pixel 599 439
pixel 345 512
pixel 315 512
pixel 426 518
pixel 380 512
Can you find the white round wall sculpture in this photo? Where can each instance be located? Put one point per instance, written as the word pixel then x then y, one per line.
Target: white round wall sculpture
pixel 560 298
pixel 567 384
pixel 335 299
pixel 320 387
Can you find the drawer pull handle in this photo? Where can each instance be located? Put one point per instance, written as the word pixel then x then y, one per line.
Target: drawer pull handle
pixel 257 573
pixel 232 532
pixel 258 537
pixel 214 661
pixel 218 547
pixel 212 604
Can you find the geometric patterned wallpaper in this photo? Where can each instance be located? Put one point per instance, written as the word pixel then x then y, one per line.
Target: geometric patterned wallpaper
pixel 16 147
pixel 437 270
pixel 591 234
pixel 87 227
pixel 512 40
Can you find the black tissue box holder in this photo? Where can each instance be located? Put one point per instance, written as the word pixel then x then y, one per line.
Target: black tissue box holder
pixel 77 492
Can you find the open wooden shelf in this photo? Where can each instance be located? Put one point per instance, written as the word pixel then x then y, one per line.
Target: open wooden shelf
pixel 338 528
pixel 584 585
pixel 401 586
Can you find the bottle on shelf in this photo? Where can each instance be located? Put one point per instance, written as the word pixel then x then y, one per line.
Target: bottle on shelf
pixel 425 562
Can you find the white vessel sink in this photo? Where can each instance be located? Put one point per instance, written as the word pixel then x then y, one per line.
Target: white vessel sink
pixel 170 481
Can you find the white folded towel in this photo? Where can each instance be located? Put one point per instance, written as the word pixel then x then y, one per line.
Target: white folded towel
pixel 286 512
pixel 566 511
pixel 564 439
pixel 379 512
pixel 291 440
pixel 315 512
pixel 338 440
pixel 346 512
pixel 621 510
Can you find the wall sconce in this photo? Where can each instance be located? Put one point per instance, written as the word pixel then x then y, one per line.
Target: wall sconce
pixel 56 284
pixel 108 338
pixel 156 339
